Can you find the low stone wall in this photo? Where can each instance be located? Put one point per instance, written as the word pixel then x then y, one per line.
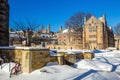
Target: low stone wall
pixel 71 58
pixel 88 55
pixel 39 58
pixel 64 46
pixel 59 59
pixel 79 56
pixel 53 59
pixel 68 58
pixel 30 58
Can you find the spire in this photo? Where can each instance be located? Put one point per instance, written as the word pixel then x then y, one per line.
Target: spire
pixel 104 16
pixel 60 28
pixel 104 20
pixel 41 27
pixel 48 26
pixel 84 19
pixel 48 29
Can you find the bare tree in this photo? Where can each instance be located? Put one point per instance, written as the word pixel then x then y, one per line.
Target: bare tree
pixel 20 25
pixel 117 29
pixel 76 21
pixel 27 28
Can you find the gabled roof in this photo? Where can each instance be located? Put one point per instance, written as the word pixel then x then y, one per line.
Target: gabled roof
pixel 92 18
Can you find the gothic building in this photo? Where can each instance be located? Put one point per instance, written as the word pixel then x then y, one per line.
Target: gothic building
pixel 45 31
pixel 69 37
pixel 4 23
pixel 97 34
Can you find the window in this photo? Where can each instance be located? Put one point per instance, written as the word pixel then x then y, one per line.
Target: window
pixel 1 19
pixel 92 36
pixel 2 6
pixel 92 30
pixel 92 41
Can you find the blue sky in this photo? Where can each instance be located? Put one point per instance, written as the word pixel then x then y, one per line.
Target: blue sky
pixel 56 12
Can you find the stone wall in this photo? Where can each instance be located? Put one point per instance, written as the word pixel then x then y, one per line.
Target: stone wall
pixel 117 41
pixel 64 46
pixel 29 58
pixel 71 58
pixel 88 55
pixel 68 59
pixel 57 58
pixel 39 58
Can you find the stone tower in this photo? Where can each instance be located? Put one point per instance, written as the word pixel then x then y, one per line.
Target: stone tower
pixel 41 28
pixel 48 29
pixel 61 29
pixel 4 23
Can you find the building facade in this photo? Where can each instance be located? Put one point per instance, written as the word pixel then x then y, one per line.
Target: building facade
pixel 97 34
pixel 67 39
pixel 4 23
pixel 117 41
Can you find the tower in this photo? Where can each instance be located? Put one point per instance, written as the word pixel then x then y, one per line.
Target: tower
pixel 84 20
pixel 61 29
pixel 41 28
pixel 48 29
pixel 4 23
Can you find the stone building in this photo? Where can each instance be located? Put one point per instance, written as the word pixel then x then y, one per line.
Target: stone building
pixel 16 37
pixel 4 23
pixel 45 31
pixel 97 34
pixel 46 36
pixel 117 41
pixel 67 39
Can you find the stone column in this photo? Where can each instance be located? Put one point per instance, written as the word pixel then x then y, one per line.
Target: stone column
pixel 25 61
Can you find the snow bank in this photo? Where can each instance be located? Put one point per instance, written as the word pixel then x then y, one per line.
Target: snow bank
pixel 105 66
pixel 109 54
pixel 95 65
pixel 52 63
pixel 106 60
pixel 7 67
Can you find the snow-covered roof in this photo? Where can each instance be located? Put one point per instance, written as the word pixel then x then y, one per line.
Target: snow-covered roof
pixel 14 35
pixel 71 51
pixel 25 48
pixel 66 30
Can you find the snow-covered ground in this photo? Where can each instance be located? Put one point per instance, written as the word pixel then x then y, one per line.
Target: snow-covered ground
pixel 105 66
